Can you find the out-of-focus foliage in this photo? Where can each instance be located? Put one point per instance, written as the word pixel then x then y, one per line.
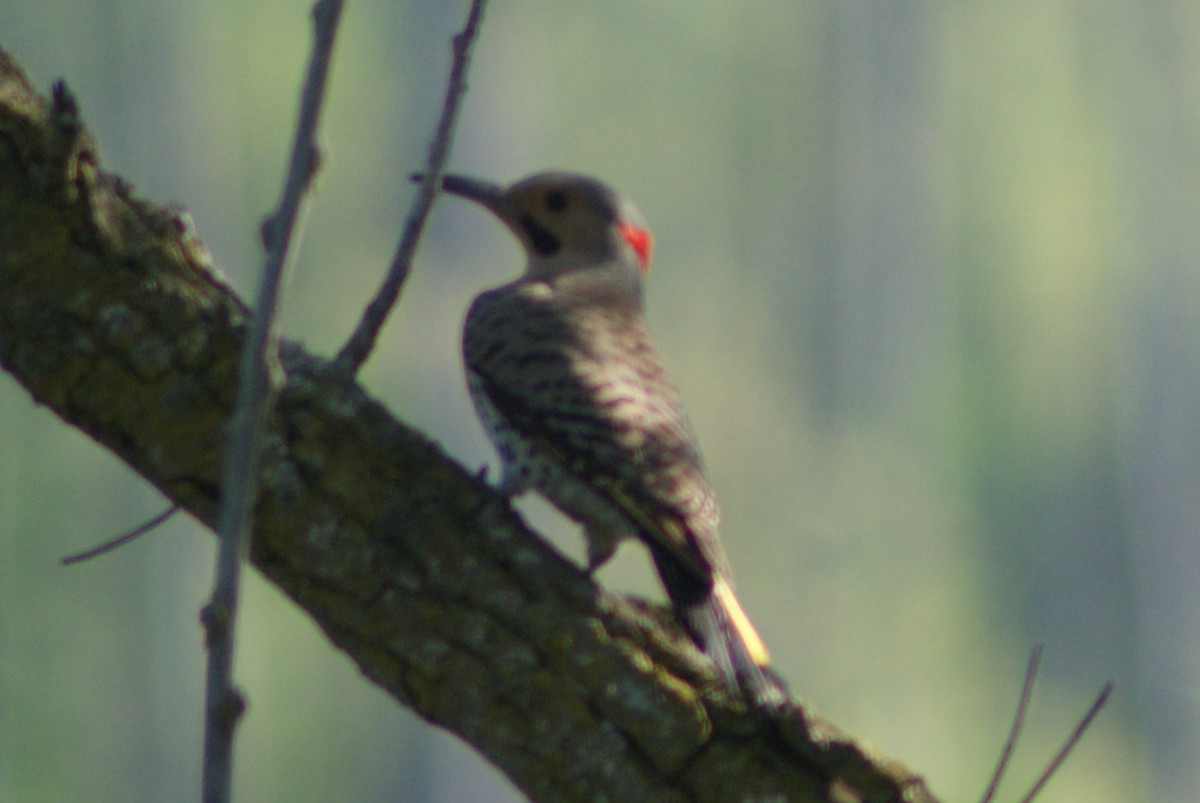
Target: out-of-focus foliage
pixel 927 274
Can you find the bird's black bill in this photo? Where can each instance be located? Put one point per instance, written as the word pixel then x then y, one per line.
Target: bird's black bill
pixel 478 190
pixel 484 192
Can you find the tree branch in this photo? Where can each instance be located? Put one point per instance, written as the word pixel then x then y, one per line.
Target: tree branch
pixel 111 315
pixel 362 341
pixel 223 703
pixel 122 539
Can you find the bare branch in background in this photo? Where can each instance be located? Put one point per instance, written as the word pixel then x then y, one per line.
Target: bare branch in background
pixel 223 703
pixel 1014 733
pixel 358 347
pixel 1072 740
pixel 121 540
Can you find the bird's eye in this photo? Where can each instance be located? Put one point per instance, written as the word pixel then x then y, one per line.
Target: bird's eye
pixel 556 200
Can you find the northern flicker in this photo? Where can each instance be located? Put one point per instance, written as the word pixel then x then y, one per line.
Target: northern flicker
pixel 579 404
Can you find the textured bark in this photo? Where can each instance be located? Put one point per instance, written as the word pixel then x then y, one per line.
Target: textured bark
pixel 111 315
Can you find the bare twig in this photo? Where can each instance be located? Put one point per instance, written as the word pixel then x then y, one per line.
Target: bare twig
pixel 360 344
pixel 1061 756
pixel 1014 733
pixel 223 703
pixel 122 539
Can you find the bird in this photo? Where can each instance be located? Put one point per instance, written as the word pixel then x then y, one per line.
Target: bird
pixel 579 404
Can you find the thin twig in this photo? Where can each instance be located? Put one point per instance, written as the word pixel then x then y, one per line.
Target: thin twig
pixel 223 703
pixel 122 539
pixel 1061 756
pixel 362 342
pixel 1014 733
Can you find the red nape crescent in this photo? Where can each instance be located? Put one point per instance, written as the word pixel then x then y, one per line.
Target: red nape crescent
pixel 641 241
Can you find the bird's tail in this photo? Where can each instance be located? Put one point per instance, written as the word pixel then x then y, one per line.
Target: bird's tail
pixel 720 627
pixel 723 630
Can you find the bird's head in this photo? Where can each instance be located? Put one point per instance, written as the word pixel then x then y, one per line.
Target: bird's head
pixel 565 221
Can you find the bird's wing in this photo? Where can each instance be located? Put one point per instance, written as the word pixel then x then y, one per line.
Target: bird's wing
pixel 589 387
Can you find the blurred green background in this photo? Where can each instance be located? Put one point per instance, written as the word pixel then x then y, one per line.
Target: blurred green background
pixel 926 272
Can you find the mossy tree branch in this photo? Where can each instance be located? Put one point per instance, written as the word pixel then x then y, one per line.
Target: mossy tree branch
pixel 112 316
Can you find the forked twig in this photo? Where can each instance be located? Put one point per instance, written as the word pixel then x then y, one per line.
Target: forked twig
pixel 122 539
pixel 223 703
pixel 1014 733
pixel 360 344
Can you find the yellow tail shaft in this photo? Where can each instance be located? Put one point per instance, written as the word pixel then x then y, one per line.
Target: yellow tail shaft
pixel 723 630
